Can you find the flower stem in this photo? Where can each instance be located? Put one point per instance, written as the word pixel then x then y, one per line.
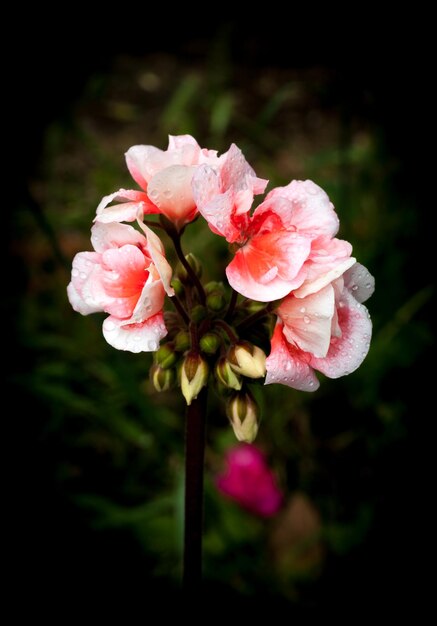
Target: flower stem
pixel 255 317
pixel 175 237
pixel 194 460
pixel 180 309
pixel 232 303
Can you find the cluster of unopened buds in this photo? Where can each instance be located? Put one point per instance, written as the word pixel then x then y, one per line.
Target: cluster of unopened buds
pixel 292 302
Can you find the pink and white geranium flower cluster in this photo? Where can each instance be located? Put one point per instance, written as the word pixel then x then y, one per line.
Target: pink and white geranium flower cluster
pixel 286 254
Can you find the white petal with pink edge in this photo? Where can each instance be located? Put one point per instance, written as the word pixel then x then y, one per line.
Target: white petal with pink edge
pixel 360 282
pixel 144 337
pixel 157 254
pixel 115 235
pixel 308 321
pixel 85 291
pixel 284 367
pixel 346 353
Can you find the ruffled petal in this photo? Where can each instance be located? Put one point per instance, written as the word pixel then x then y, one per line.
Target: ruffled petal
pixel 144 337
pixel 308 321
pixel 346 353
pixel 287 365
pixel 360 282
pixel 157 254
pixel 85 291
pixel 114 235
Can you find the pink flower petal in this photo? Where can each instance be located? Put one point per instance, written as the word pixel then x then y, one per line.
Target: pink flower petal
pixel 143 162
pixel 346 353
pixel 114 235
pixel 85 291
pixel 329 259
pixel 360 282
pixel 157 254
pixel 150 301
pixel 307 321
pixel 144 337
pixel 269 266
pixel 170 189
pixel 311 211
pixel 287 366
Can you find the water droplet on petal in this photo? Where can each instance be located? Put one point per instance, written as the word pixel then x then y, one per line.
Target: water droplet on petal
pixel 82 275
pixel 288 366
pixel 109 325
pixel 306 319
pixel 354 287
pixel 368 285
pixel 152 345
pixel 302 309
pixel 75 272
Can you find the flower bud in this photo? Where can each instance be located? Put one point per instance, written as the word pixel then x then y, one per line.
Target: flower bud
pixel 215 301
pixel 177 286
pixel 195 265
pixel 226 376
pixel 165 356
pixel 247 360
pixel 215 295
pixel 209 343
pixel 162 379
pixel 194 376
pixel 243 413
pixel 182 341
pixel 198 313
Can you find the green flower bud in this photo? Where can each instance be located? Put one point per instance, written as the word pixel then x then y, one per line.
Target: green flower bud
pixel 165 356
pixel 198 313
pixel 194 376
pixel 177 286
pixel 209 343
pixel 215 301
pixel 195 265
pixel 243 413
pixel 247 360
pixel 226 376
pixel 162 379
pixel 214 287
pixel 182 341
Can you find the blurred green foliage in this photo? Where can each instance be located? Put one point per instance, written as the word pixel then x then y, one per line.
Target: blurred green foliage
pixel 111 449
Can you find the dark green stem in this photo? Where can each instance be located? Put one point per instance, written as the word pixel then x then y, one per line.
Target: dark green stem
pixel 231 307
pixel 228 330
pixel 194 461
pixel 180 309
pixel 176 239
pixel 255 317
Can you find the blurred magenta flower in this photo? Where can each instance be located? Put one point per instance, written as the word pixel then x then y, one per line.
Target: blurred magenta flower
pixel 248 480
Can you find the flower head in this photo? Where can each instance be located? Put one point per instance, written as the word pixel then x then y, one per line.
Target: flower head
pixel 126 276
pixel 328 331
pixel 165 177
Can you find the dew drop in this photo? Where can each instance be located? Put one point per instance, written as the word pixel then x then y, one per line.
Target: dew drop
pixel 368 285
pixel 306 319
pixel 311 383
pixel 354 287
pixel 288 366
pixel 302 309
pixel 82 275
pixel 152 345
pixel 109 325
pixel 75 272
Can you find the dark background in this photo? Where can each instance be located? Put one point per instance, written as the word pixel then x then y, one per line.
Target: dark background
pixel 366 492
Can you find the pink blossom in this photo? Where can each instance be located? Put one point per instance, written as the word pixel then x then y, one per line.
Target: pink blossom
pixel 224 195
pixel 126 276
pixel 288 242
pixel 165 178
pixel 328 330
pixel 248 480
